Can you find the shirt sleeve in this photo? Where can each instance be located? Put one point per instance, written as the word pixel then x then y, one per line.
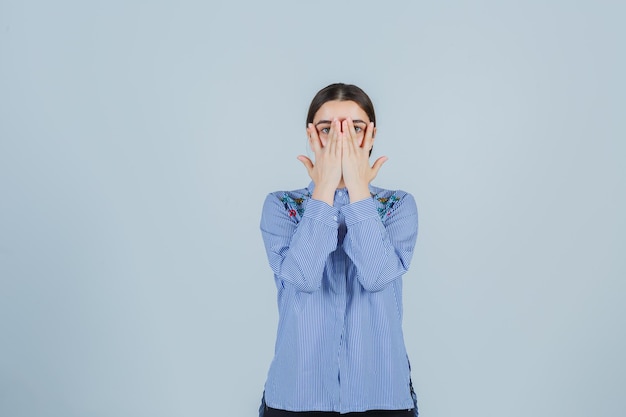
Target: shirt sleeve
pixel 381 251
pixel 297 251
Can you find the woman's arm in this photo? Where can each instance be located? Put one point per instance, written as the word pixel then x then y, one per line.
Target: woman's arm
pixel 297 251
pixel 380 251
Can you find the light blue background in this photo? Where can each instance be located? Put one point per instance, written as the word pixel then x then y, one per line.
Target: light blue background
pixel 139 139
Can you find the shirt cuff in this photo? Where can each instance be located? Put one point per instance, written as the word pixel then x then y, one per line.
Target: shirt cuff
pixel 322 212
pixel 359 210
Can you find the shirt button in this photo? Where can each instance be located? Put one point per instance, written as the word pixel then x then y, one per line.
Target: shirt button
pixel 340 193
pixel 335 218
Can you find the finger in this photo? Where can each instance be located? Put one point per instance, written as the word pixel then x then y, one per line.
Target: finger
pixel 330 137
pixel 352 131
pixel 306 162
pixel 354 137
pixel 314 139
pixel 368 141
pixel 345 134
pixel 376 167
pixel 335 136
pixel 342 138
pixel 315 134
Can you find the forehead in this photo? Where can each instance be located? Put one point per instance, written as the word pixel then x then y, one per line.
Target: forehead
pixel 340 110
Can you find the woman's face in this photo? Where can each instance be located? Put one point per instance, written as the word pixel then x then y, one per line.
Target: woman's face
pixel 340 110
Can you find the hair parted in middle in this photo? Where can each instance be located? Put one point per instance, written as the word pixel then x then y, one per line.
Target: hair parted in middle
pixel 341 92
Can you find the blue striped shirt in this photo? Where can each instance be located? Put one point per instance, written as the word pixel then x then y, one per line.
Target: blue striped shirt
pixel 338 271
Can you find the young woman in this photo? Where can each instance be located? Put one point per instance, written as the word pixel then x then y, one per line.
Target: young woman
pixel 338 249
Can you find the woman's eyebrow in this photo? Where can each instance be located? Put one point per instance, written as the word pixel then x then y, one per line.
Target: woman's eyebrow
pixel 321 122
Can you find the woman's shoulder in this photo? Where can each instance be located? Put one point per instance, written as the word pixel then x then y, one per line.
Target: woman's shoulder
pixel 293 202
pixel 383 195
pixel 387 200
pixel 300 194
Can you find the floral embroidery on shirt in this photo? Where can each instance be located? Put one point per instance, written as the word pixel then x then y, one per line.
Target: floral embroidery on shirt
pixel 293 205
pixel 386 204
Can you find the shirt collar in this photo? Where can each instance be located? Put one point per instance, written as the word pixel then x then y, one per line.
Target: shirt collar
pixel 311 187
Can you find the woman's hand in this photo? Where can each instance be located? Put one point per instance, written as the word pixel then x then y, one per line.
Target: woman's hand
pixel 326 173
pixel 356 170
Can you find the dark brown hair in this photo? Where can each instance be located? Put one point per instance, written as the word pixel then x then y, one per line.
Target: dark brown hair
pixel 341 92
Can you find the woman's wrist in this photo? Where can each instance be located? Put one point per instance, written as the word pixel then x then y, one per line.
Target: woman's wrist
pixel 359 192
pixel 324 193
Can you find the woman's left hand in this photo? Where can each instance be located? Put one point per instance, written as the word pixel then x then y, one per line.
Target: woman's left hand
pixel 356 170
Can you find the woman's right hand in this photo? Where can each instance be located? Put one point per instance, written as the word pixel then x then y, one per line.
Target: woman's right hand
pixel 326 173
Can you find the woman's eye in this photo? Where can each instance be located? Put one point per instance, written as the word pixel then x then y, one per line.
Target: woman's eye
pixel 325 130
pixel 358 129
